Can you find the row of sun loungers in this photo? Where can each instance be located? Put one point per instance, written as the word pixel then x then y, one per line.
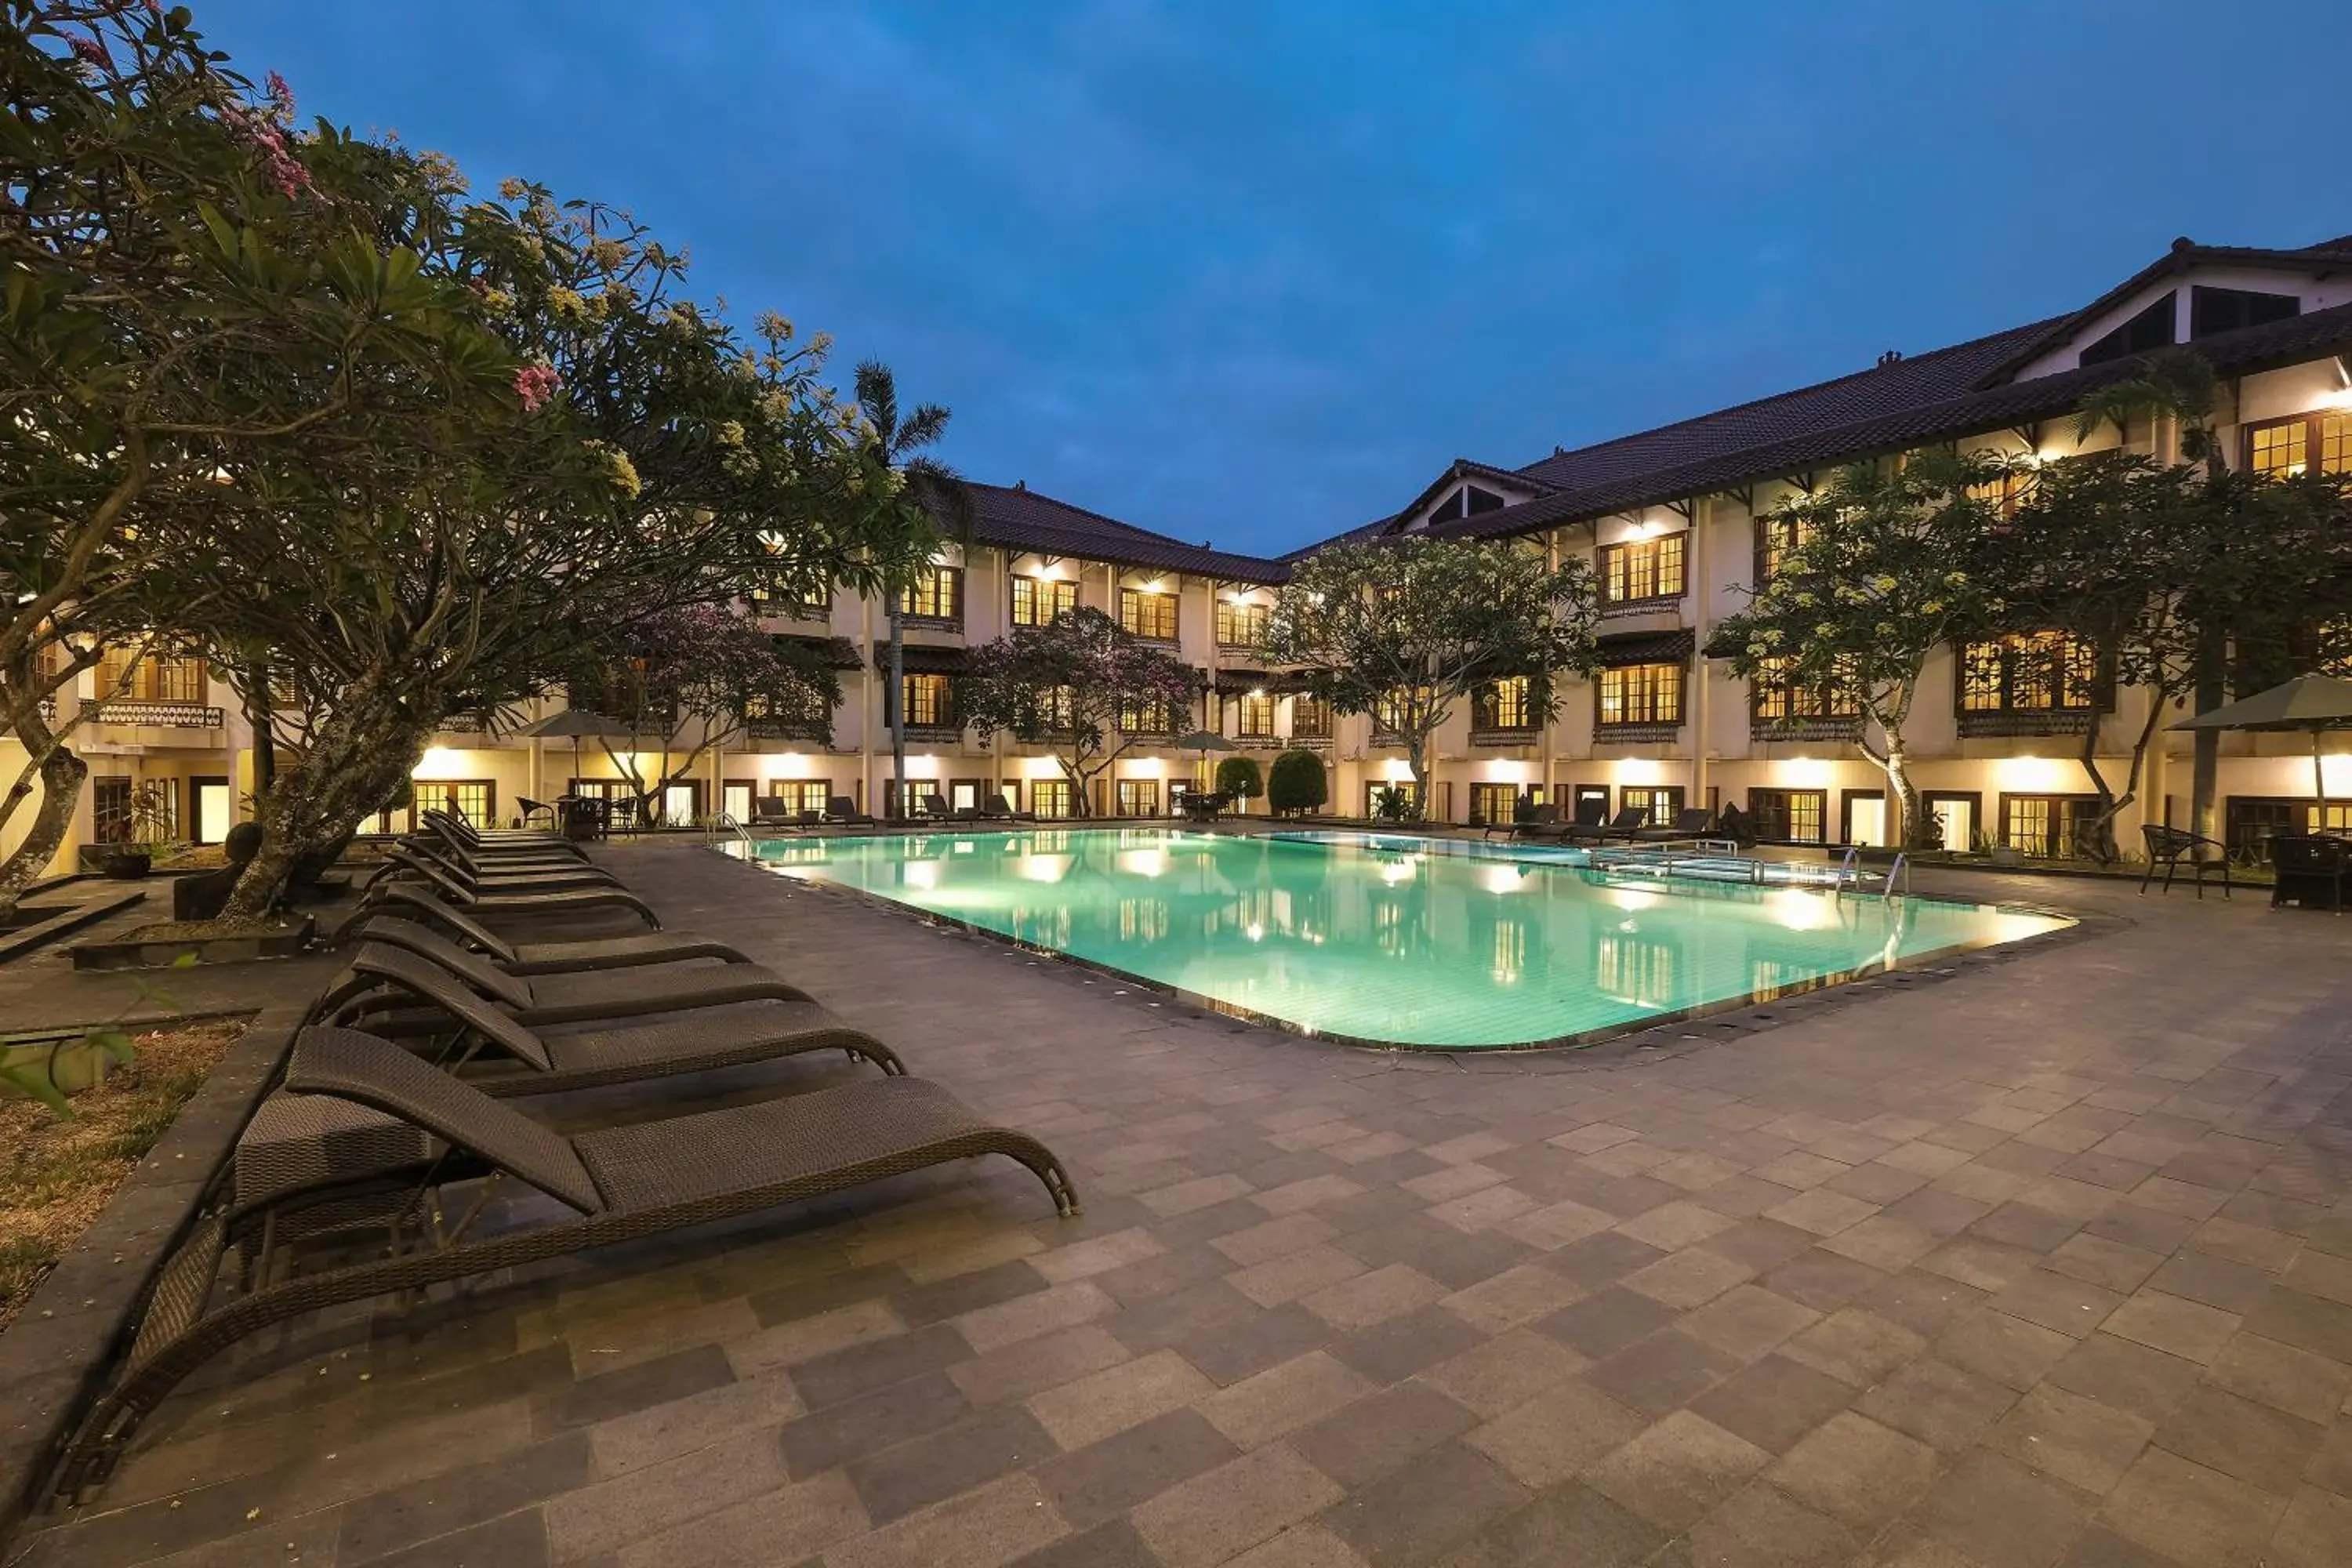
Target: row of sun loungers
pixel 413 1097
pixel 1631 826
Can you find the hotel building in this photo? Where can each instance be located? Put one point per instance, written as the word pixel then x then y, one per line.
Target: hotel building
pixel 1677 524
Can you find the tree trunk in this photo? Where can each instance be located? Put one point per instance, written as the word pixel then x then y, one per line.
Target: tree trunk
pixel 1416 757
pixel 355 758
pixel 2205 772
pixel 896 699
pixel 2099 843
pixel 62 774
pixel 1910 821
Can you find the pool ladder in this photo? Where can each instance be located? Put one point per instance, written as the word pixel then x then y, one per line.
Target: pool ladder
pixel 724 826
pixel 1849 873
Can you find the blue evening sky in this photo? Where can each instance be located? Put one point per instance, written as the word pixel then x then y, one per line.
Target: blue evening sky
pixel 1254 270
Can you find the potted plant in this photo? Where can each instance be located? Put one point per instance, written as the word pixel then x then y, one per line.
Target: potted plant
pixel 153 823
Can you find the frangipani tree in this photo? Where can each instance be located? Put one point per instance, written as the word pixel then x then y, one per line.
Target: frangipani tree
pixel 1407 629
pixel 1082 686
pixel 185 283
pixel 1882 576
pixel 687 681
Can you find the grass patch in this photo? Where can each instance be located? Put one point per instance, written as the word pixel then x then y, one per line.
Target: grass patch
pixel 57 1175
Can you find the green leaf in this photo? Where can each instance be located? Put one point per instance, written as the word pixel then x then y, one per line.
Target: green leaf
pixel 35 1082
pixel 114 1042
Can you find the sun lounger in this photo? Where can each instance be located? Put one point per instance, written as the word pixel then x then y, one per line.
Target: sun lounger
pixel 580 996
pixel 586 900
pixel 1627 823
pixel 1690 822
pixel 996 808
pixel 840 808
pixel 621 1183
pixel 1539 822
pixel 410 902
pixel 465 842
pixel 508 1055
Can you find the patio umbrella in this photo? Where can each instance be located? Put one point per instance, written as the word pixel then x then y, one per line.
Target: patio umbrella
pixel 1204 741
pixel 2313 702
pixel 577 722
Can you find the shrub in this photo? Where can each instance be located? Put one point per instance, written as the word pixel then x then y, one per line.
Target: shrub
pixel 1238 778
pixel 1297 783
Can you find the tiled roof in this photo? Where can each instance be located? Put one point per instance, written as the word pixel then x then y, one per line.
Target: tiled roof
pixel 1969 413
pixel 1644 648
pixel 839 653
pixel 1018 518
pixel 1883 389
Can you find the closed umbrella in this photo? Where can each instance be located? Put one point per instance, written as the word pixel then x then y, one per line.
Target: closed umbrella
pixel 2314 702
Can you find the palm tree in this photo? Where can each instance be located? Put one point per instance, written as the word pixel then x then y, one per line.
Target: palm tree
pixel 926 483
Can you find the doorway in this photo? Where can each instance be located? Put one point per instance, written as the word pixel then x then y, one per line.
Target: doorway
pixel 1866 818
pixel 215 808
pixel 1954 815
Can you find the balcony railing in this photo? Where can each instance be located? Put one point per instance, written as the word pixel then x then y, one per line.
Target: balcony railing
pixel 1635 734
pixel 1834 728
pixel 161 715
pixel 1505 735
pixel 2029 721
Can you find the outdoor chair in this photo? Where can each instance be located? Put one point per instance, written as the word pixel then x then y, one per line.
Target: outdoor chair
pixel 840 808
pixel 934 807
pixel 1690 822
pixel 769 811
pixel 1202 805
pixel 508 1054
pixel 502 903
pixel 572 996
pixel 554 859
pixel 531 808
pixel 2310 871
pixel 996 808
pixel 1536 822
pixel 408 902
pixel 2168 847
pixel 621 1183
pixel 493 870
pixel 1629 823
pixel 517 840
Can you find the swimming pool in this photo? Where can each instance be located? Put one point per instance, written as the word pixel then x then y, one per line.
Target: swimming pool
pixel 1397 941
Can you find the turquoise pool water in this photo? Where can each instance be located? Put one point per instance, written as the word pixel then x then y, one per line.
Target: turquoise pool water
pixel 1397 941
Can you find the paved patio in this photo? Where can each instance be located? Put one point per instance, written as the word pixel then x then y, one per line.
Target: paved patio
pixel 2047 1263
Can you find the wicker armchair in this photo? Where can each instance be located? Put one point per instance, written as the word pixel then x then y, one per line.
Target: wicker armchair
pixel 2168 847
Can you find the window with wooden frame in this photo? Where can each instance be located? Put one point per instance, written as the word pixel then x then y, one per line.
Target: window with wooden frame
pixel 109 809
pixel 2284 448
pixel 928 701
pixel 1790 815
pixel 1147 614
pixel 2250 822
pixel 2030 673
pixel 123 676
pixel 1504 704
pixel 2046 827
pixel 1776 539
pixel 1151 718
pixel 1493 805
pixel 1254 715
pixel 1036 601
pixel 1310 718
pixel 2004 492
pixel 1776 696
pixel 475 800
pixel 800 794
pixel 1049 798
pixel 1635 694
pixel 1661 801
pixel 1138 797
pixel 935 594
pixel 1642 569
pixel 1241 624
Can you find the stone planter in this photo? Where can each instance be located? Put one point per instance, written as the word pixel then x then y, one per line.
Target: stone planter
pixel 127 864
pixel 134 953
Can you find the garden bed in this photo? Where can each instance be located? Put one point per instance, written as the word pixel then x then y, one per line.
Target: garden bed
pixel 177 944
pixel 55 1174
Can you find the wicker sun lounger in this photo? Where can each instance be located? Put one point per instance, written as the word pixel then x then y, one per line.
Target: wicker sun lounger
pixel 492 904
pixel 534 849
pixel 409 902
pixel 405 860
pixel 621 1183
pixel 458 830
pixel 579 996
pixel 527 1057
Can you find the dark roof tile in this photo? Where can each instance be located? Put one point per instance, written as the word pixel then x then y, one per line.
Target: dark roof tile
pixel 1019 518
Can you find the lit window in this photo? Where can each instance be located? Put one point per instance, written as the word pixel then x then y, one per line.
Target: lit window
pixel 1241 625
pixel 1776 539
pixel 2284 448
pixel 1503 705
pixel 1147 615
pixel 1310 718
pixel 1036 601
pixel 1642 694
pixel 929 702
pixel 1138 797
pixel 1153 718
pixel 1642 569
pixel 936 594
pixel 1256 714
pixel 1776 694
pixel 2029 672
